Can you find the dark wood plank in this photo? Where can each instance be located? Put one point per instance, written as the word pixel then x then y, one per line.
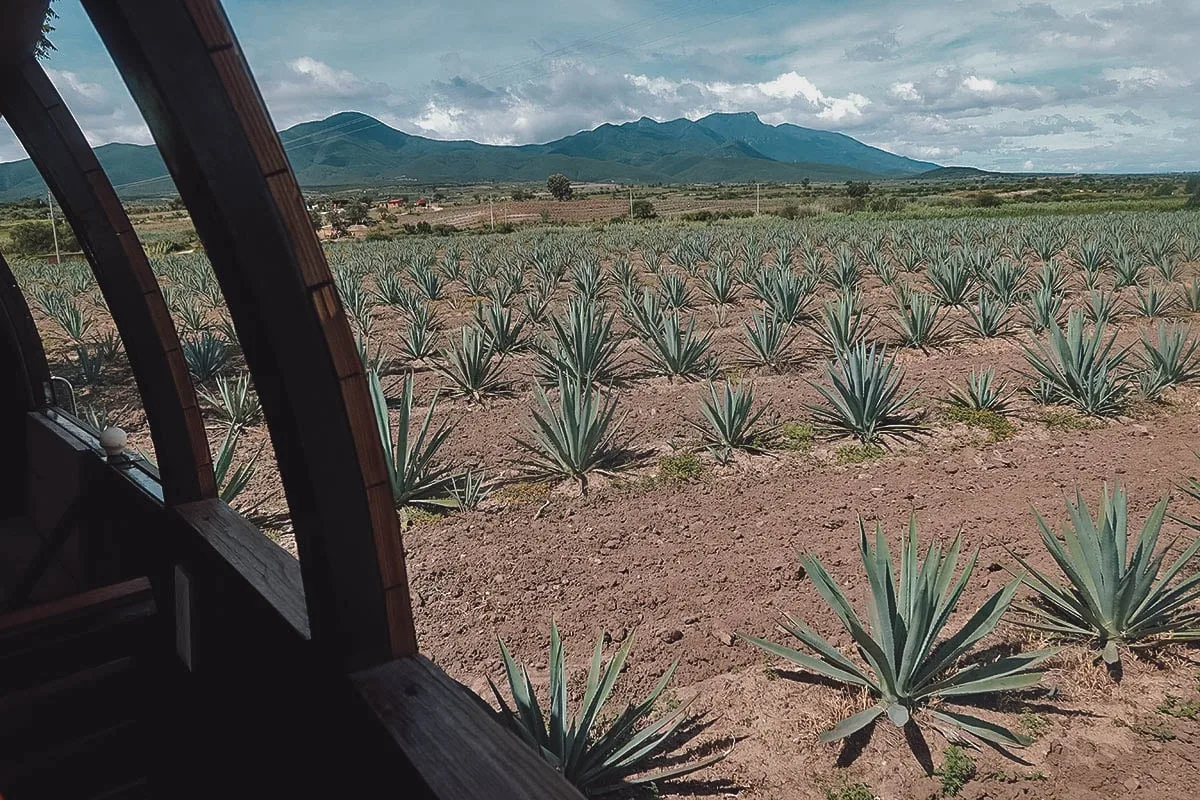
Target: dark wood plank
pixel 188 75
pixel 21 29
pixel 32 106
pixel 261 563
pixel 96 604
pixel 21 348
pixel 450 738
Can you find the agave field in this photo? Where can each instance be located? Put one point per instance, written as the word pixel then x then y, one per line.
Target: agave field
pixel 852 508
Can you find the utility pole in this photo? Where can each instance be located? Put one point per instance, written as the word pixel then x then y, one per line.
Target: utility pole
pixel 492 212
pixel 757 199
pixel 53 227
pixel 631 202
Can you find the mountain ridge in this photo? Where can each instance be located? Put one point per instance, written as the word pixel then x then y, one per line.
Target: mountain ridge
pixel 353 149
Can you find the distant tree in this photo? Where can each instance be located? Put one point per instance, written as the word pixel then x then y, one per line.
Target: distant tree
pixel 789 211
pixel 987 199
pixel 44 46
pixel 438 197
pixel 643 209
pixel 559 186
pixel 314 216
pixel 1193 184
pixel 857 189
pixel 518 194
pixel 806 183
pixel 478 198
pixel 356 213
pixel 37 238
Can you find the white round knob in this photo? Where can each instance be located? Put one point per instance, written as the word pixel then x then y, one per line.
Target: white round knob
pixel 113 440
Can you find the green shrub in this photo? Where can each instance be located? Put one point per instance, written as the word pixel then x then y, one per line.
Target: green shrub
pixel 957 770
pixel 681 467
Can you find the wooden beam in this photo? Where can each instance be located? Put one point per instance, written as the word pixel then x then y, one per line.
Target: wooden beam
pixel 451 740
pixel 20 28
pixel 188 75
pixel 44 125
pixel 21 344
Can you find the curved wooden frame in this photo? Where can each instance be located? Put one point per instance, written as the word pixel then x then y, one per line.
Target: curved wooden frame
pixel 58 148
pixel 19 331
pixel 188 75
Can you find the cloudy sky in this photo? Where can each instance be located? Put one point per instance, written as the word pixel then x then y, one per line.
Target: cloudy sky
pixel 1095 86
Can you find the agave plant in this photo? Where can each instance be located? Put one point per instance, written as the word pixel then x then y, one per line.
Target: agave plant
pixel 730 421
pixel 1189 295
pixel 474 369
pixel 89 363
pixel 982 393
pixel 678 352
pixel 597 757
pixel 1102 307
pixel 502 329
pixel 71 318
pixel 470 489
pixel 206 355
pixel 1112 598
pixel 910 662
pixel 768 342
pixel 1171 359
pixel 918 321
pixel 1154 301
pixel 573 438
pixel 413 472
pixel 718 286
pixel 842 323
pixel 232 482
pixel 673 290
pixel 989 315
pixel 582 345
pixel 419 340
pixel 1043 309
pixel 952 282
pixel 865 399
pixel 1078 369
pixel 235 401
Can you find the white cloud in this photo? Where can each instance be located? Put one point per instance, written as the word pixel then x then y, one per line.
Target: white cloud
pixel 980 85
pixel 905 90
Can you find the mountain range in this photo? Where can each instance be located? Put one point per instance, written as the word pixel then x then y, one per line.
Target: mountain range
pixel 353 149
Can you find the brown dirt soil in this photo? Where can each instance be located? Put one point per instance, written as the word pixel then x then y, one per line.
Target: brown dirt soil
pixel 686 564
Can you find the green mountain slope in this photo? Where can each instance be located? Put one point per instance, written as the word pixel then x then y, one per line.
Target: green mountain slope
pixel 352 149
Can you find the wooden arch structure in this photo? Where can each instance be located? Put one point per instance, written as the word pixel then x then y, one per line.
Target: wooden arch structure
pixel 218 620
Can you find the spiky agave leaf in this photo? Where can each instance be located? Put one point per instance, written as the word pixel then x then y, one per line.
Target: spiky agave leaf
pixel 910 661
pixel 1112 598
pixel 1171 359
pixel 235 400
pixel 475 370
pixel 769 341
pixel 413 472
pixel 843 323
pixel 581 345
pixel 574 436
pixel 678 352
pixel 730 421
pixel 596 757
pixel 918 320
pixel 865 398
pixel 983 392
pixel 232 482
pixel 1078 369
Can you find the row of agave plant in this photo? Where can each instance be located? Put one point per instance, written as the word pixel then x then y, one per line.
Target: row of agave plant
pixel 577 351
pixel 916 670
